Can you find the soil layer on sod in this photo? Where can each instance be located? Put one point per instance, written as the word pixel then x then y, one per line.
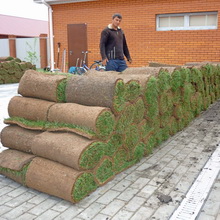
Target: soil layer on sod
pixel 69 149
pixel 14 164
pixel 56 179
pixel 99 119
pixel 29 108
pixel 40 85
pixel 17 138
pixel 91 91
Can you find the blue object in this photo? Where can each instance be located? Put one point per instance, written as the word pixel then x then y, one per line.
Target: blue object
pixel 72 69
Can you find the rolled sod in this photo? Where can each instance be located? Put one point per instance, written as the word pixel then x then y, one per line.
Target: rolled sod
pixel 217 91
pixel 52 126
pixel 164 80
pixel 196 103
pixel 96 91
pixel 187 118
pixel 142 70
pixel 151 98
pixel 125 115
pixel 138 151
pixel 114 142
pixel 154 122
pixel 178 111
pixel 129 74
pixel 165 119
pixel 177 96
pixel 185 75
pixel 187 92
pixel 59 180
pixel 197 79
pixel 207 88
pixel 14 164
pixel 147 70
pixel 162 135
pixel 150 142
pixel 173 126
pixel 105 90
pixel 131 139
pixel 132 90
pixel 140 79
pixel 120 160
pixel 29 108
pixel 43 86
pixel 176 80
pixel 144 129
pixel 104 171
pixel 165 102
pixel 125 118
pixel 17 138
pixel 99 119
pixel 139 110
pixel 213 97
pixel 217 74
pixel 69 149
pixel 206 102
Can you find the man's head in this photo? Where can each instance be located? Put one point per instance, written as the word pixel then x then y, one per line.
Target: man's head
pixel 116 15
pixel 116 20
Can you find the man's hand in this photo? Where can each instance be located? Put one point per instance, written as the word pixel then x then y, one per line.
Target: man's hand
pixel 104 62
pixel 130 61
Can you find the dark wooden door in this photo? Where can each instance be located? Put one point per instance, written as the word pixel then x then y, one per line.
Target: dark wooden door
pixel 77 43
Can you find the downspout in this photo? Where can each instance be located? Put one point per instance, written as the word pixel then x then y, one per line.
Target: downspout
pixel 50 12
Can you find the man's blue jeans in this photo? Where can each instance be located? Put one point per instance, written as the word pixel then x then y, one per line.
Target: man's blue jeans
pixel 116 65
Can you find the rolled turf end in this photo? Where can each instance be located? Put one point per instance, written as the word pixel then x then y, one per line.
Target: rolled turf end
pixel 105 125
pixel 92 155
pixel 114 143
pixel 119 97
pixel 61 88
pixel 138 152
pixel 120 160
pixel 132 90
pixel 84 185
pixel 18 176
pixel 104 171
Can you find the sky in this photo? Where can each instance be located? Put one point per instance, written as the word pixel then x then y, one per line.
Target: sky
pixel 24 9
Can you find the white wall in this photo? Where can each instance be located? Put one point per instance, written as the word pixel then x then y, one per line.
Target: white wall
pixel 4 48
pixel 28 49
pixel 25 46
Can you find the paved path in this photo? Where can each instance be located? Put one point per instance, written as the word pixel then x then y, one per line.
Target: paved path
pixel 133 194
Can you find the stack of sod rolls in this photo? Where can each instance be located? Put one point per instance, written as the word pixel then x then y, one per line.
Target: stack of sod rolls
pixel 12 69
pixel 68 135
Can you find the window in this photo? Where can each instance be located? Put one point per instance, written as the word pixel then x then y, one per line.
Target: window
pixel 187 21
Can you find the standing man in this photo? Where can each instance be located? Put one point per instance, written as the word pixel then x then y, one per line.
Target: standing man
pixel 113 46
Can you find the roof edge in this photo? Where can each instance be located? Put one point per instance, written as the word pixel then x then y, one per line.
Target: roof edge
pixel 56 2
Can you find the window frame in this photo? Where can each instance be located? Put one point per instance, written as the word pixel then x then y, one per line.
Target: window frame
pixel 186 21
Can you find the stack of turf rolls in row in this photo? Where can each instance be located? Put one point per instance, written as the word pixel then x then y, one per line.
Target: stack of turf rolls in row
pixel 68 135
pixel 12 69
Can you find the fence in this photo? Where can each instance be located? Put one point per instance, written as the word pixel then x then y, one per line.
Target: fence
pixel 34 50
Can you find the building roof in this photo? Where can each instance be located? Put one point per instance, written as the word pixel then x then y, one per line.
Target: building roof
pixel 55 2
pixel 11 25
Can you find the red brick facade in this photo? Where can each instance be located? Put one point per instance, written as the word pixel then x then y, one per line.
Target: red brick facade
pixel 139 24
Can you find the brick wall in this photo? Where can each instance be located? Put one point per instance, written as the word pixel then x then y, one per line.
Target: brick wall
pixel 139 24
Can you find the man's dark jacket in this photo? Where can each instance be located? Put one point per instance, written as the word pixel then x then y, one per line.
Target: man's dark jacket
pixel 113 44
